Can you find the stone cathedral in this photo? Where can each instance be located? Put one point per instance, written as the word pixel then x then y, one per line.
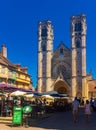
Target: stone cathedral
pixel 64 70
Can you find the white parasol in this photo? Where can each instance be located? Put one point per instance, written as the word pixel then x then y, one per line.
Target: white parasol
pixel 47 96
pixel 18 93
pixel 29 95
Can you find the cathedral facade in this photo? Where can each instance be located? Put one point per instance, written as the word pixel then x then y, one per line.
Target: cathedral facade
pixel 64 70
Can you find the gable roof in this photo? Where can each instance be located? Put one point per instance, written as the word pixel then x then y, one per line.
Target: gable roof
pixel 60 45
pixel 6 62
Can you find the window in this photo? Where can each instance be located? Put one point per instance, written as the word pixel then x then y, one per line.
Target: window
pixel 0 80
pixel 10 73
pixel 78 34
pixel 18 75
pixel 78 27
pixel 43 73
pixel 44 32
pixel 78 71
pixel 61 51
pixel 43 47
pixel 3 70
pixel 77 44
pixel 9 82
pixel 61 70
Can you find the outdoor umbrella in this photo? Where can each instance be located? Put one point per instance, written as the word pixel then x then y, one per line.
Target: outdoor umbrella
pixel 29 95
pixel 18 93
pixel 3 94
pixel 47 96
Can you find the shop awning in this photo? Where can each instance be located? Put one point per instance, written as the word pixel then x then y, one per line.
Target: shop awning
pixel 9 88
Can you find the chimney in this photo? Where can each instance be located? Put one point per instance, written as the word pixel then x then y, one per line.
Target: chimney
pixel 4 51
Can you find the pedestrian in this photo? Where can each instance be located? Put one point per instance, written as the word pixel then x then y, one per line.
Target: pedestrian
pixel 94 105
pixel 75 107
pixel 18 103
pixel 87 110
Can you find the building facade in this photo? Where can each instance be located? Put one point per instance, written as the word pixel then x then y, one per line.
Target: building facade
pixel 13 75
pixel 64 70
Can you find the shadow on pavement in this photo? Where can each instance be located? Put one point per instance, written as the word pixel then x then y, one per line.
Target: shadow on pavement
pixel 62 121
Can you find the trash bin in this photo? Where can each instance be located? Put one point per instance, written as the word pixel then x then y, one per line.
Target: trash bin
pixel 17 115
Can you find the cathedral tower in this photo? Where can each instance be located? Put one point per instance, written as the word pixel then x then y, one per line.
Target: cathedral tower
pixel 78 46
pixel 45 50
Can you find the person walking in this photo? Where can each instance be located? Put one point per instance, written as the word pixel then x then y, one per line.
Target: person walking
pixel 94 105
pixel 87 110
pixel 75 107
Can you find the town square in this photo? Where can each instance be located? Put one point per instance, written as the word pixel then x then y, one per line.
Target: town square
pixel 47 65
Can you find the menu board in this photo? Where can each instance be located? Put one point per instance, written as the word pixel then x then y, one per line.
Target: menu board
pixel 17 115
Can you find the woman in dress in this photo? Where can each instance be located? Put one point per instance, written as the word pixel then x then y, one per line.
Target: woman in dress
pixel 87 110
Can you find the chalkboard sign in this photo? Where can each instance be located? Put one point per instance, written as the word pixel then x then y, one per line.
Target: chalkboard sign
pixel 17 115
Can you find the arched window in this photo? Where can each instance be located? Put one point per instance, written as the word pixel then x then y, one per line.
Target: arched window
pixel 60 70
pixel 77 44
pixel 44 32
pixel 61 51
pixel 78 26
pixel 43 47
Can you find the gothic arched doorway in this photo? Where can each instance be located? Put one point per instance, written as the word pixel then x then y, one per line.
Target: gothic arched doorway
pixel 61 87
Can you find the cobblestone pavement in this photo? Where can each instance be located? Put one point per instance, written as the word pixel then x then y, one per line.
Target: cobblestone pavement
pixel 60 121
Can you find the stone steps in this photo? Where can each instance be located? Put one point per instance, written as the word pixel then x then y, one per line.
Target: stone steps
pixel 6 120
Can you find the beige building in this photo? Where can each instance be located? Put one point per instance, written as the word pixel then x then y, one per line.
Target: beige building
pixel 64 70
pixel 13 76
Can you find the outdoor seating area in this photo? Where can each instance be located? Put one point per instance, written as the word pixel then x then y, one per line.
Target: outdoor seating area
pixel 41 103
pixel 7 98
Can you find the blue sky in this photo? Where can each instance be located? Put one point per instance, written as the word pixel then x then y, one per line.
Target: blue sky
pixel 19 24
